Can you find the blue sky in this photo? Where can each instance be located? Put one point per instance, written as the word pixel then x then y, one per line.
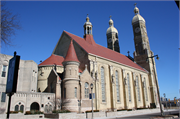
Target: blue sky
pixel 43 23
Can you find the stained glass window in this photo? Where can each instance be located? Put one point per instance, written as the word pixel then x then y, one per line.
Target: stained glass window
pixel 117 86
pixel 129 87
pixel 103 85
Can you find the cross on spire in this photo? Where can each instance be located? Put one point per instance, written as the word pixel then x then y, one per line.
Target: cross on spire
pixel 135 4
pixel 110 16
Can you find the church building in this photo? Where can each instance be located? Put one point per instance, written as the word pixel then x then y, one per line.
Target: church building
pixel 119 82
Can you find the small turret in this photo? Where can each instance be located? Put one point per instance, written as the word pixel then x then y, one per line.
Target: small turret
pixel 87 27
pixel 71 63
pixel 71 79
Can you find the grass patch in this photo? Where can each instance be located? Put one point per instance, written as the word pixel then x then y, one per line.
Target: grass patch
pixel 33 112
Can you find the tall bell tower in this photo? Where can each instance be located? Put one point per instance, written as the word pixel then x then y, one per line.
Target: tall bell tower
pixel 142 52
pixel 112 37
pixel 141 40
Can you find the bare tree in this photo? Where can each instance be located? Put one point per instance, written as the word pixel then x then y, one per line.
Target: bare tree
pixel 9 23
pixel 60 103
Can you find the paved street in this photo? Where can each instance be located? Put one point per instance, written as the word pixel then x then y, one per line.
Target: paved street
pixel 147 116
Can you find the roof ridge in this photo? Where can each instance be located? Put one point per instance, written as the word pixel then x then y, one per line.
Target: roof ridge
pixel 72 34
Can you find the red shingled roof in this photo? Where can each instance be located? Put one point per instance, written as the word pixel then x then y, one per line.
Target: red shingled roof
pixel 71 54
pixel 53 59
pixel 103 51
pixel 89 39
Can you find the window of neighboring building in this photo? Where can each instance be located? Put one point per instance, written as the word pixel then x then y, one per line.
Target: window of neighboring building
pixel 145 89
pixel 3 97
pixel 22 108
pixel 138 91
pixel 86 90
pixel 16 108
pixel 46 109
pixel 129 88
pixel 4 71
pixel 117 86
pixel 50 108
pixel 75 92
pixel 103 85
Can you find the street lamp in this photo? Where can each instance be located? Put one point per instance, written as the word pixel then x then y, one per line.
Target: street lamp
pixel 157 86
pixel 92 97
pixel 166 100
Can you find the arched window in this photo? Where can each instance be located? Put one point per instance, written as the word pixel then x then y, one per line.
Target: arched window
pixel 145 89
pixel 70 71
pixel 129 88
pixel 75 92
pixel 86 89
pixel 103 85
pixel 117 86
pixel 50 108
pixel 22 108
pixel 16 108
pixel 137 87
pixel 46 109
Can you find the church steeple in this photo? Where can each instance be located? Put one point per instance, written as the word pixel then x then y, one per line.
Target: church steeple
pixel 112 37
pixel 141 40
pixel 87 27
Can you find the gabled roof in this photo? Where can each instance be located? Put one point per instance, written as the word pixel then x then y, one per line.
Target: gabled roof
pixel 52 60
pixel 71 54
pixel 104 52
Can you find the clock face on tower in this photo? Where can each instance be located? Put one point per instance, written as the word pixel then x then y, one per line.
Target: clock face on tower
pixel 137 29
pixel 109 40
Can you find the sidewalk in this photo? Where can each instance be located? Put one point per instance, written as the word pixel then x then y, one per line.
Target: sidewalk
pixel 144 113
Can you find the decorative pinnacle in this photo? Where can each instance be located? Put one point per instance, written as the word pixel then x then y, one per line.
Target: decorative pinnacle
pixel 128 53
pixel 15 53
pixel 110 16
